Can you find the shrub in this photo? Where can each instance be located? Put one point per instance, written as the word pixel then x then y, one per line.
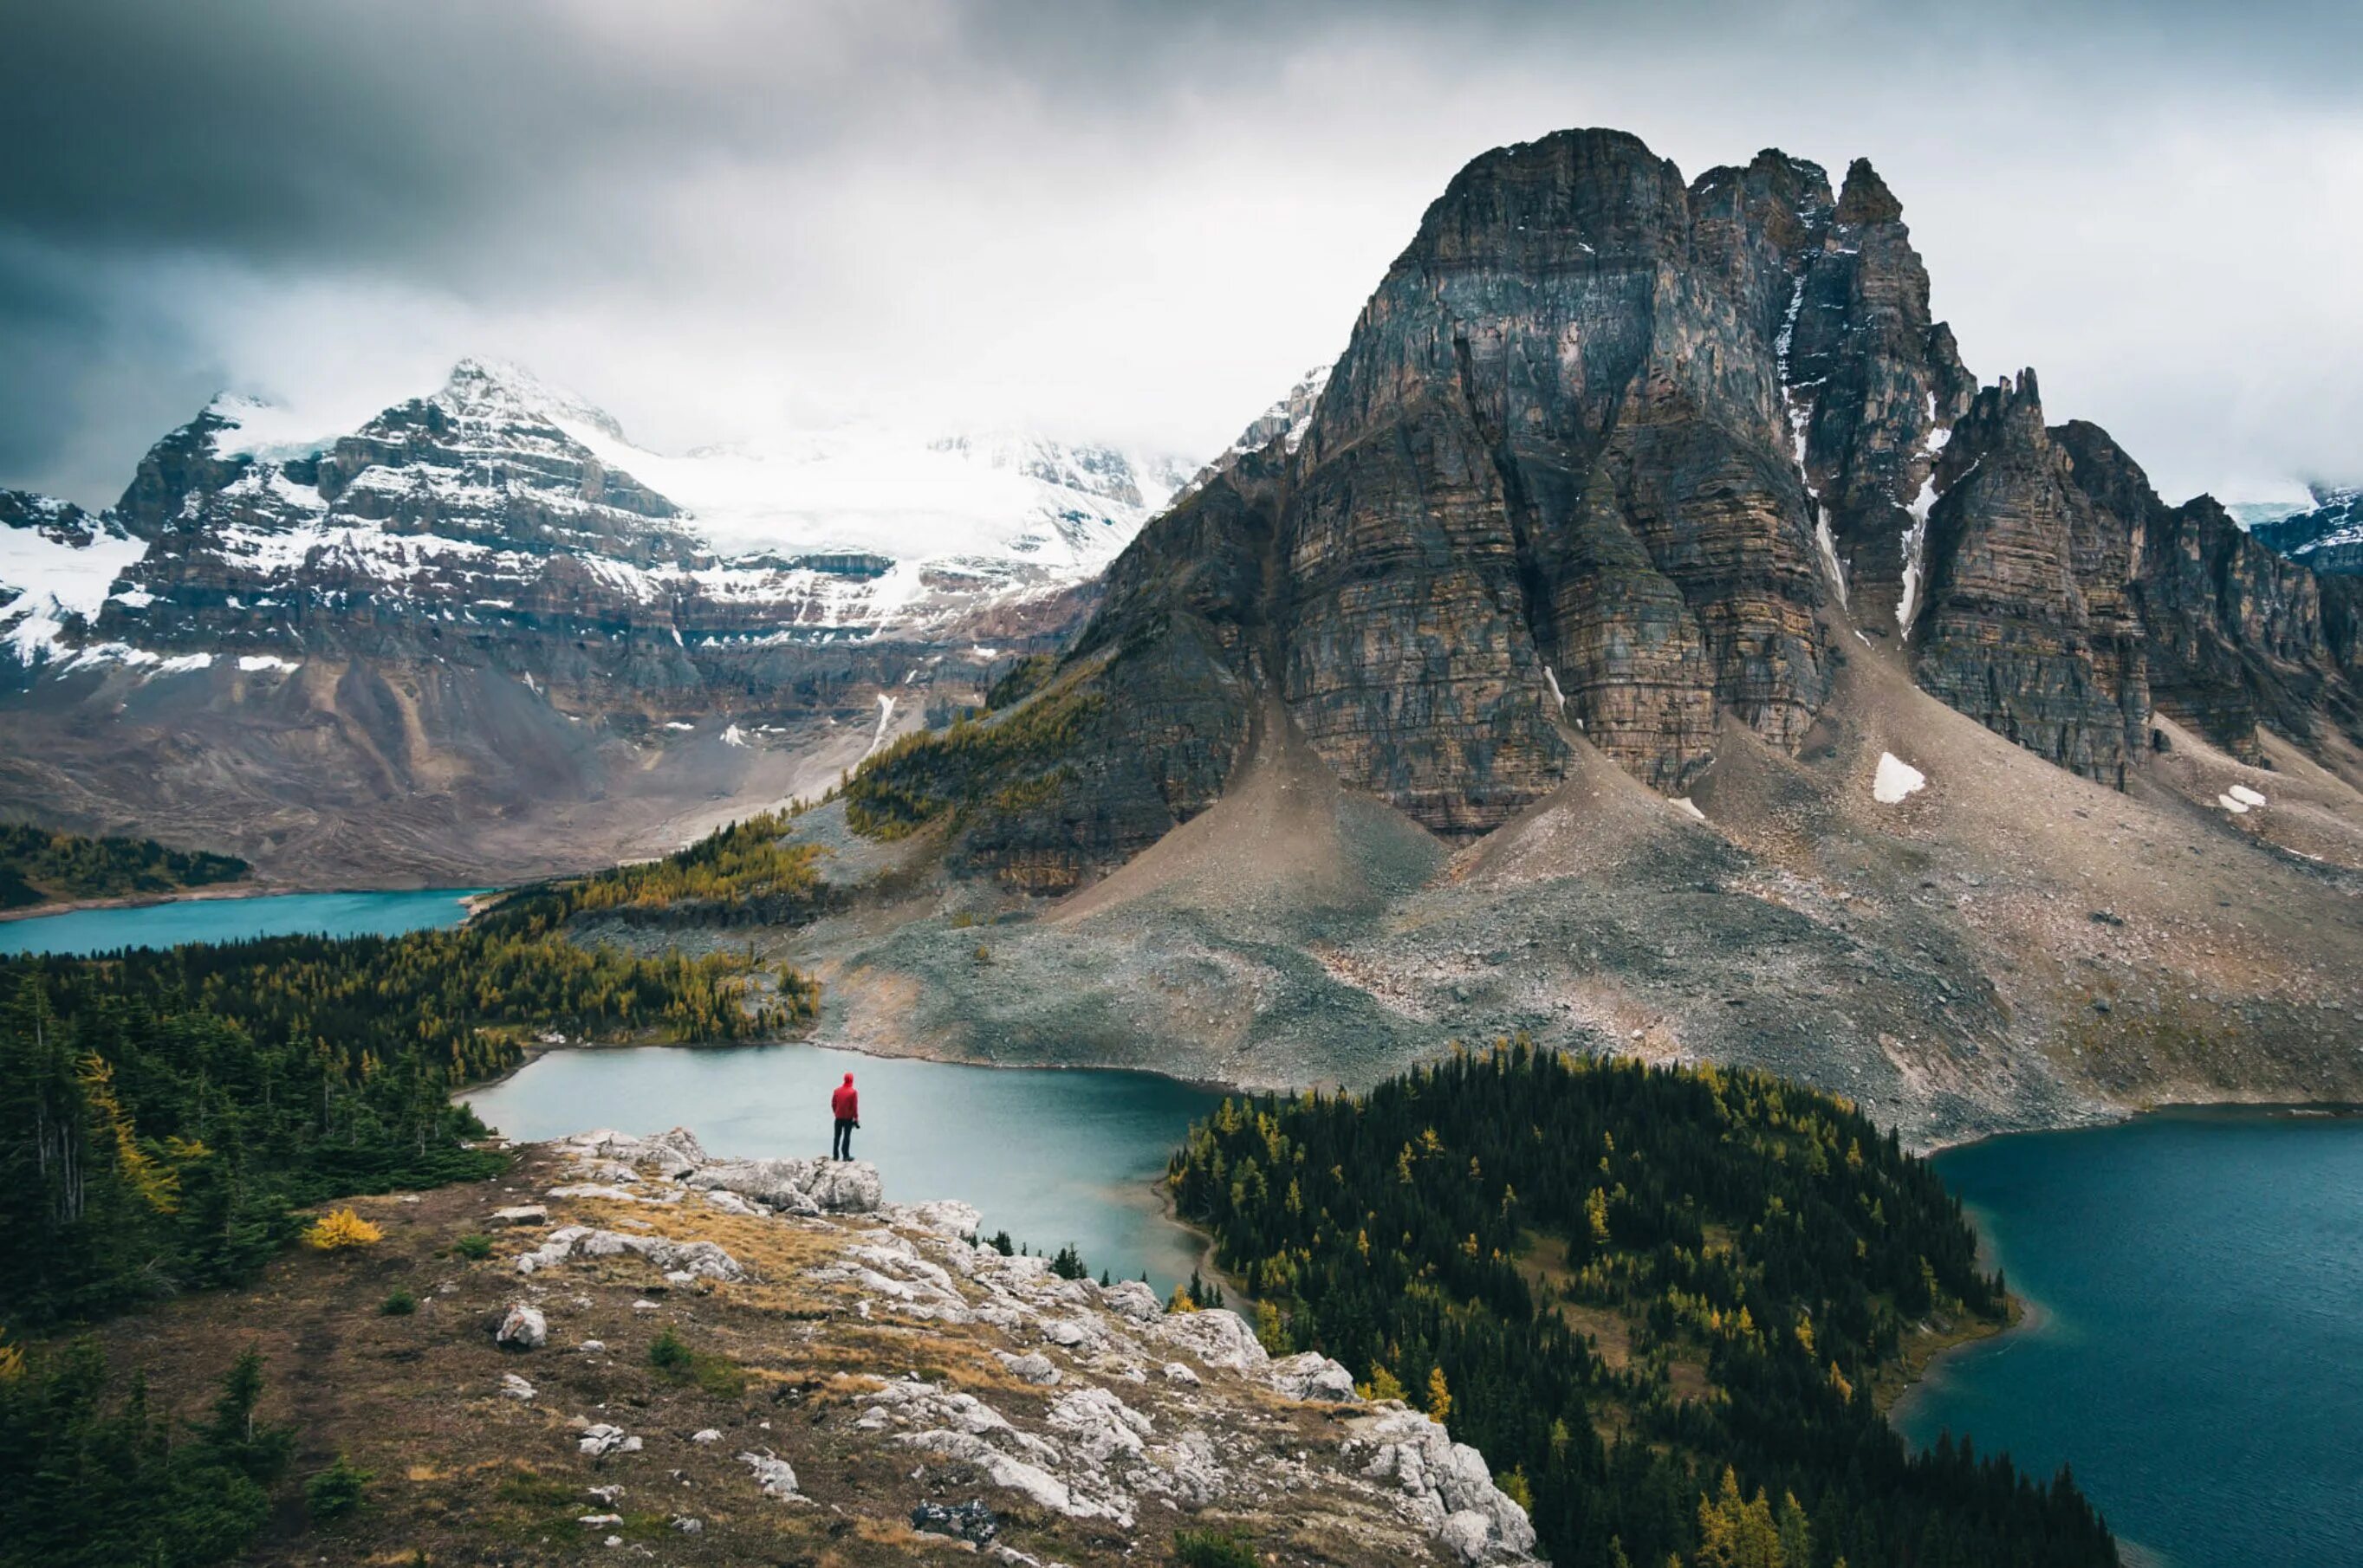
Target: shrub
pixel 339 1228
pixel 1212 1549
pixel 477 1246
pixel 400 1304
pixel 668 1353
pixel 337 1491
pixel 717 1374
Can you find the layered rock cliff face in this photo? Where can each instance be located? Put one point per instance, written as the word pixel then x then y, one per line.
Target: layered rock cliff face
pixel 1610 458
pixel 2234 634
pixel 1566 480
pixel 2028 627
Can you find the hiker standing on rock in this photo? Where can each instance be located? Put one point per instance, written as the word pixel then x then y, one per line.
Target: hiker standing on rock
pixel 848 1107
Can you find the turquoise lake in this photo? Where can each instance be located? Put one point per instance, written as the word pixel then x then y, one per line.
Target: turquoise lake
pixel 2196 1351
pixel 1050 1157
pixel 235 920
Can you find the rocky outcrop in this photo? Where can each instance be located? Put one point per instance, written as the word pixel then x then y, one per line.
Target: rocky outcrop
pixel 1874 385
pixel 2234 634
pixel 1100 1409
pixel 2028 627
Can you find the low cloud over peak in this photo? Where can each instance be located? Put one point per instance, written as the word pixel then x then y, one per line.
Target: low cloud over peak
pixel 1131 221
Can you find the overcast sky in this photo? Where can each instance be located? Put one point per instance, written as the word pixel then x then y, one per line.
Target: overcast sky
pixel 1134 222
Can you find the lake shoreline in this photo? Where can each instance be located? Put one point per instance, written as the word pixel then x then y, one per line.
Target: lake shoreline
pixel 1066 1159
pixel 223 894
pixel 2188 1346
pixel 2171 1110
pixel 2030 1318
pixel 230 893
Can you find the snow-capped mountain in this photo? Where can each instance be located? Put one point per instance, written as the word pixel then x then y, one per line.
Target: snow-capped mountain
pixel 491 595
pixel 2326 536
pixel 498 497
pixel 1285 421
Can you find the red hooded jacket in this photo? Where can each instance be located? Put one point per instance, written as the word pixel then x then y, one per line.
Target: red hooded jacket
pixel 845 1102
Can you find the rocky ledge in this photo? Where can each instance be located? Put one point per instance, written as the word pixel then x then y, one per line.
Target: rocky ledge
pixel 1056 1420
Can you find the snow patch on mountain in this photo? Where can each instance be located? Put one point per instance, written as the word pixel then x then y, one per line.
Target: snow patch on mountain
pixel 250 427
pixel 55 565
pixel 1288 421
pixel 868 489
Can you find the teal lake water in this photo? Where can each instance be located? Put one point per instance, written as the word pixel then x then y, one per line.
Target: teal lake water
pixel 1050 1157
pixel 2197 1353
pixel 235 920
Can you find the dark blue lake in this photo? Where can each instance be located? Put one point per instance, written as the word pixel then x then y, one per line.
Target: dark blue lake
pixel 1050 1157
pixel 235 920
pixel 2197 1346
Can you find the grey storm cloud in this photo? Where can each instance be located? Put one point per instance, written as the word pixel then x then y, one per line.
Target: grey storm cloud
pixel 1131 221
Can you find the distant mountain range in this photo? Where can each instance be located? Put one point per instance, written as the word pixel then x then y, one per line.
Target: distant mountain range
pixel 288 633
pixel 2326 536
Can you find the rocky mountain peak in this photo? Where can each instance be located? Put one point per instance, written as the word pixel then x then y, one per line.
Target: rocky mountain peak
pixel 1866 198
pixel 1610 461
pixel 1571 195
pixel 501 392
pixel 2006 414
pixel 1286 422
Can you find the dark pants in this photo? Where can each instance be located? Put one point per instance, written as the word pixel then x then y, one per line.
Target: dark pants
pixel 841 1147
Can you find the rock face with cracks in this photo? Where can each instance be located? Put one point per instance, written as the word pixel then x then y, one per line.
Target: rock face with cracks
pixel 1618 458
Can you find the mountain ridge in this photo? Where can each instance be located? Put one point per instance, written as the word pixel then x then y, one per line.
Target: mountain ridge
pixel 1646 532
pixel 430 607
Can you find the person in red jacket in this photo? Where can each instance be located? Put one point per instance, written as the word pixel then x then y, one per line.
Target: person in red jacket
pixel 848 1107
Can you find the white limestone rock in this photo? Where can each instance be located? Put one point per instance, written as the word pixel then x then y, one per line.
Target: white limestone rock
pixel 1100 1426
pixel 602 1439
pixel 670 1154
pixel 1443 1481
pixel 524 1327
pixel 1218 1337
pixel 943 1217
pixel 1032 1367
pixel 1312 1376
pixel 1132 1299
pixel 774 1476
pixel 700 1259
pixel 1038 1486
pixel 796 1185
